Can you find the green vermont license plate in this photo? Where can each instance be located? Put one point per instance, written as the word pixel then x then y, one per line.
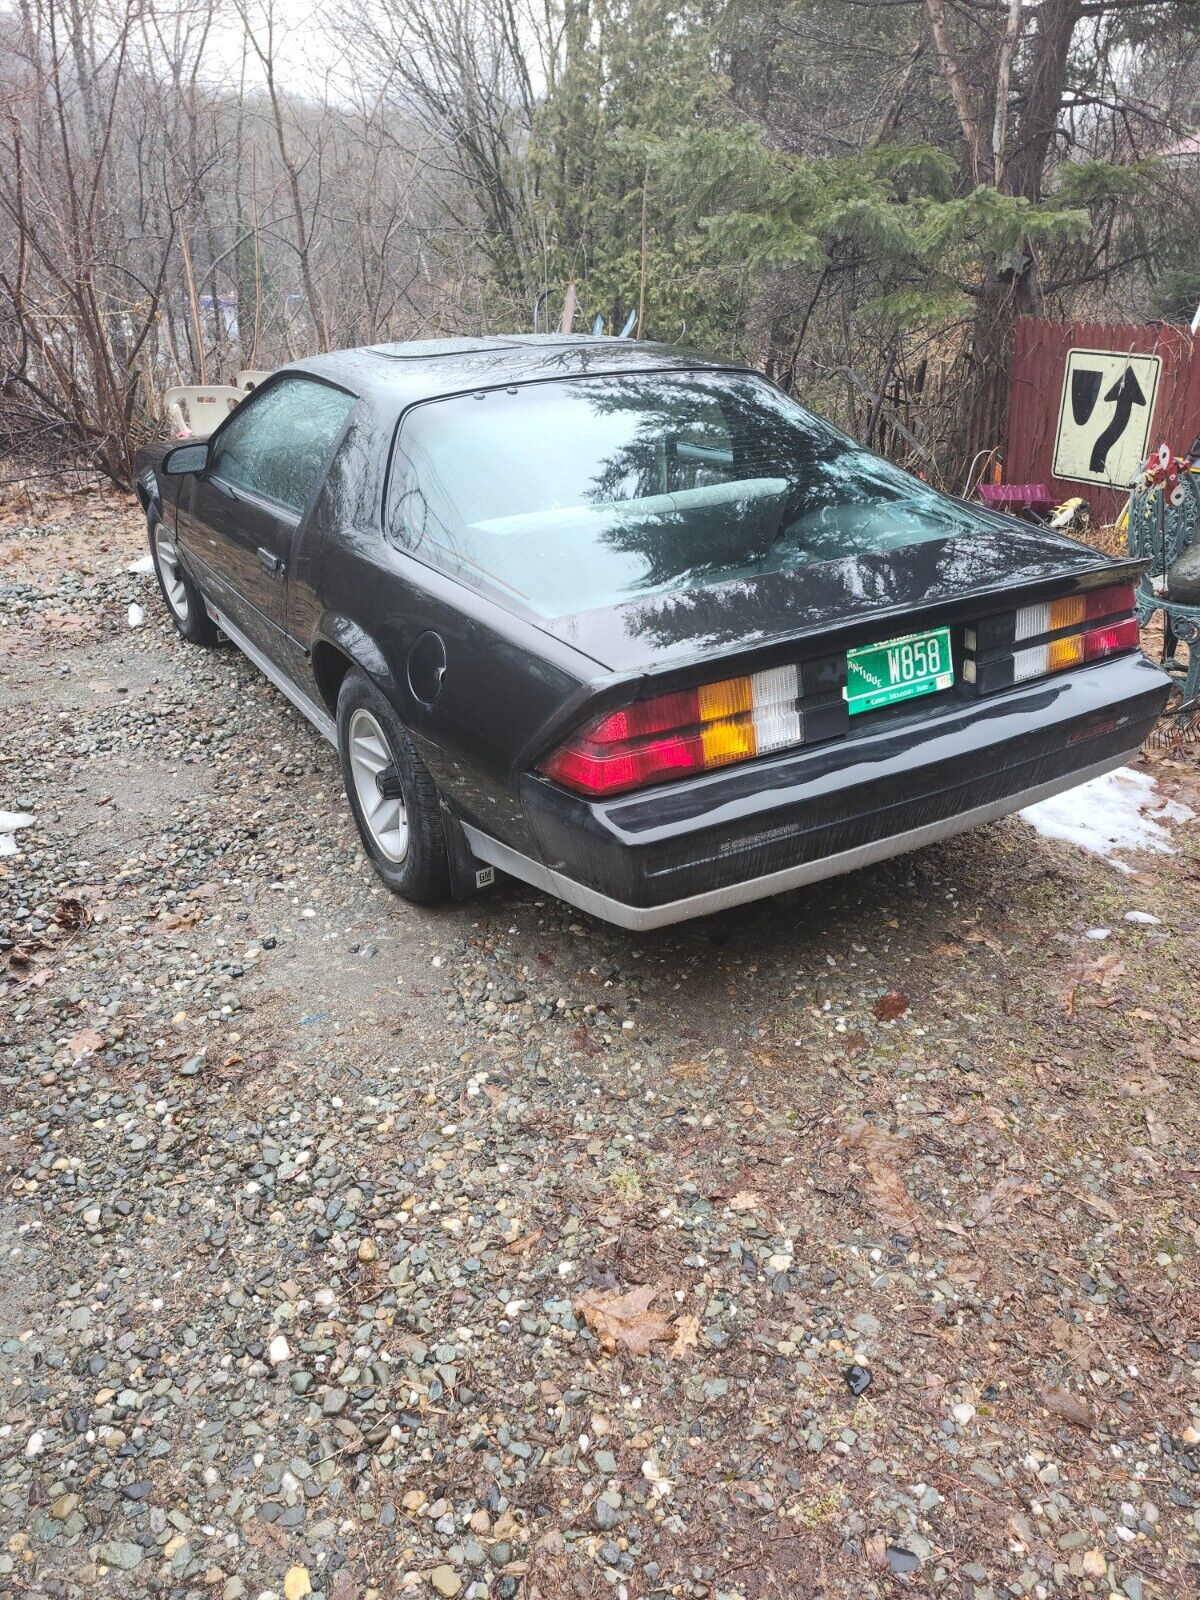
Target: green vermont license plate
pixel 898 669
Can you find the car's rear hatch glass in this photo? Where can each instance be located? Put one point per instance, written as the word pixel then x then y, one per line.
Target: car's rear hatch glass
pixel 586 493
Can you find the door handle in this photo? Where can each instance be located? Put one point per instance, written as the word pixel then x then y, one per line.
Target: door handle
pixel 270 562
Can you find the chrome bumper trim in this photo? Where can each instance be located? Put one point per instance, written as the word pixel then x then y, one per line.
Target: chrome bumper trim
pixel 642 918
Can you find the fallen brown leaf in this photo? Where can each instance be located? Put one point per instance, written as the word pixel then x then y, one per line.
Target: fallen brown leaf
pixel 85 1041
pixel 1000 1197
pixel 21 955
pixel 186 917
pixel 683 1070
pixel 1105 970
pixel 525 1242
pixel 1093 1202
pixel 624 1320
pixel 891 1005
pixel 879 1153
pixel 1068 1407
pixel 69 914
pixel 687 1335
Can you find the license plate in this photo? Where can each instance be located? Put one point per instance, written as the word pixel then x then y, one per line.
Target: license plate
pixel 898 669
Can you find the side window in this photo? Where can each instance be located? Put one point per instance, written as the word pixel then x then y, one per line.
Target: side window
pixel 277 441
pixel 416 515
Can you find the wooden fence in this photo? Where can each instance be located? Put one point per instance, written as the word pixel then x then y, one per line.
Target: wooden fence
pixel 1040 352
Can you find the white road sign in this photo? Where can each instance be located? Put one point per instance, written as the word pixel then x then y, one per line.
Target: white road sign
pixel 1104 419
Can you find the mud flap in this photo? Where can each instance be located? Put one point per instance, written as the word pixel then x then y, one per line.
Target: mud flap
pixel 467 873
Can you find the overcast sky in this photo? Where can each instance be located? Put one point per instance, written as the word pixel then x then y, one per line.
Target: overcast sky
pixel 305 53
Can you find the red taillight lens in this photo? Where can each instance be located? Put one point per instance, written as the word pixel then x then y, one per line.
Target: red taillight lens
pixel 1074 648
pixel 691 731
pixel 646 717
pixel 594 769
pixel 1107 641
pixel 1072 630
pixel 1114 601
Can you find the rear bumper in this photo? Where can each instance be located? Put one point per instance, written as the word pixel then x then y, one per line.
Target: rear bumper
pixel 687 849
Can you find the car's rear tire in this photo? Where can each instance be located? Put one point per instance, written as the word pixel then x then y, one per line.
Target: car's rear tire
pixel 184 601
pixel 392 796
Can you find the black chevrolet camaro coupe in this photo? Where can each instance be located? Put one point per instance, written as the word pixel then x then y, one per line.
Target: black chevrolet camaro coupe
pixel 633 626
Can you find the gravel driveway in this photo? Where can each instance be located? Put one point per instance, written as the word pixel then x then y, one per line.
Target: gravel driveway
pixel 365 1250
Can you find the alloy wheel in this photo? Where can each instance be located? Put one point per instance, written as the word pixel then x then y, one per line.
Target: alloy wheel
pixel 373 768
pixel 172 575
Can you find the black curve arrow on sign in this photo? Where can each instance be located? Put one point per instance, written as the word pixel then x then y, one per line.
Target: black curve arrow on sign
pixel 1127 392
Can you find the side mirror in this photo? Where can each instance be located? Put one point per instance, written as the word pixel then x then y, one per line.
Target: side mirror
pixel 184 458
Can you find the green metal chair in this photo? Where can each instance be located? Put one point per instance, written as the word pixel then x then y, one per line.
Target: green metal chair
pixel 1169 538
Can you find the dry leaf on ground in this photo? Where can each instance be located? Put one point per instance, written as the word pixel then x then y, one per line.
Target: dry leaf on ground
pixel 687 1335
pixel 187 916
pixel 1000 1197
pixel 516 1247
pixel 879 1154
pixel 684 1070
pixel 891 1005
pixel 624 1321
pixel 86 1040
pixel 1068 1407
pixel 69 914
pixel 1095 1203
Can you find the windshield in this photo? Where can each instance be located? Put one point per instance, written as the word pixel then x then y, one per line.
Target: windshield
pixel 582 493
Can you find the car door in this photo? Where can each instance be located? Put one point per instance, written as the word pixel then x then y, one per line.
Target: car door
pixel 238 524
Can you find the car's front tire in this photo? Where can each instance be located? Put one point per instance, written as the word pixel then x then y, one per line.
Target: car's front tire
pixel 184 600
pixel 392 796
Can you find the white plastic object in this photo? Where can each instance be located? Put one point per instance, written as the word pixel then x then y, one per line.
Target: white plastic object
pixel 201 407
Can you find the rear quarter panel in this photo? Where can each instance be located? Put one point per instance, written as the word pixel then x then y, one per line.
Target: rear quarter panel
pixel 505 680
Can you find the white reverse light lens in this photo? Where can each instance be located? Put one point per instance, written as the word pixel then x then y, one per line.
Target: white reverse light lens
pixel 777 723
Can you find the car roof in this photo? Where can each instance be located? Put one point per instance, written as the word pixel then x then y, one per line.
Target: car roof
pixel 398 375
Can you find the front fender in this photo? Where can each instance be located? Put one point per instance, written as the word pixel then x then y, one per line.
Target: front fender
pixel 146 483
pixel 145 486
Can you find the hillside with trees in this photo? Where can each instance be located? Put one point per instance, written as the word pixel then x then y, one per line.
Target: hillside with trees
pixel 858 197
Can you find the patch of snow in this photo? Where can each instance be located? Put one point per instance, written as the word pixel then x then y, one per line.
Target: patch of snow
pixel 142 564
pixel 1119 811
pixel 10 821
pixel 1098 933
pixel 1143 916
pixel 135 616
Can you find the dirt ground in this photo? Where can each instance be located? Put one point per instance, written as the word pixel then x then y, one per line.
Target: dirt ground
pixel 359 1249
